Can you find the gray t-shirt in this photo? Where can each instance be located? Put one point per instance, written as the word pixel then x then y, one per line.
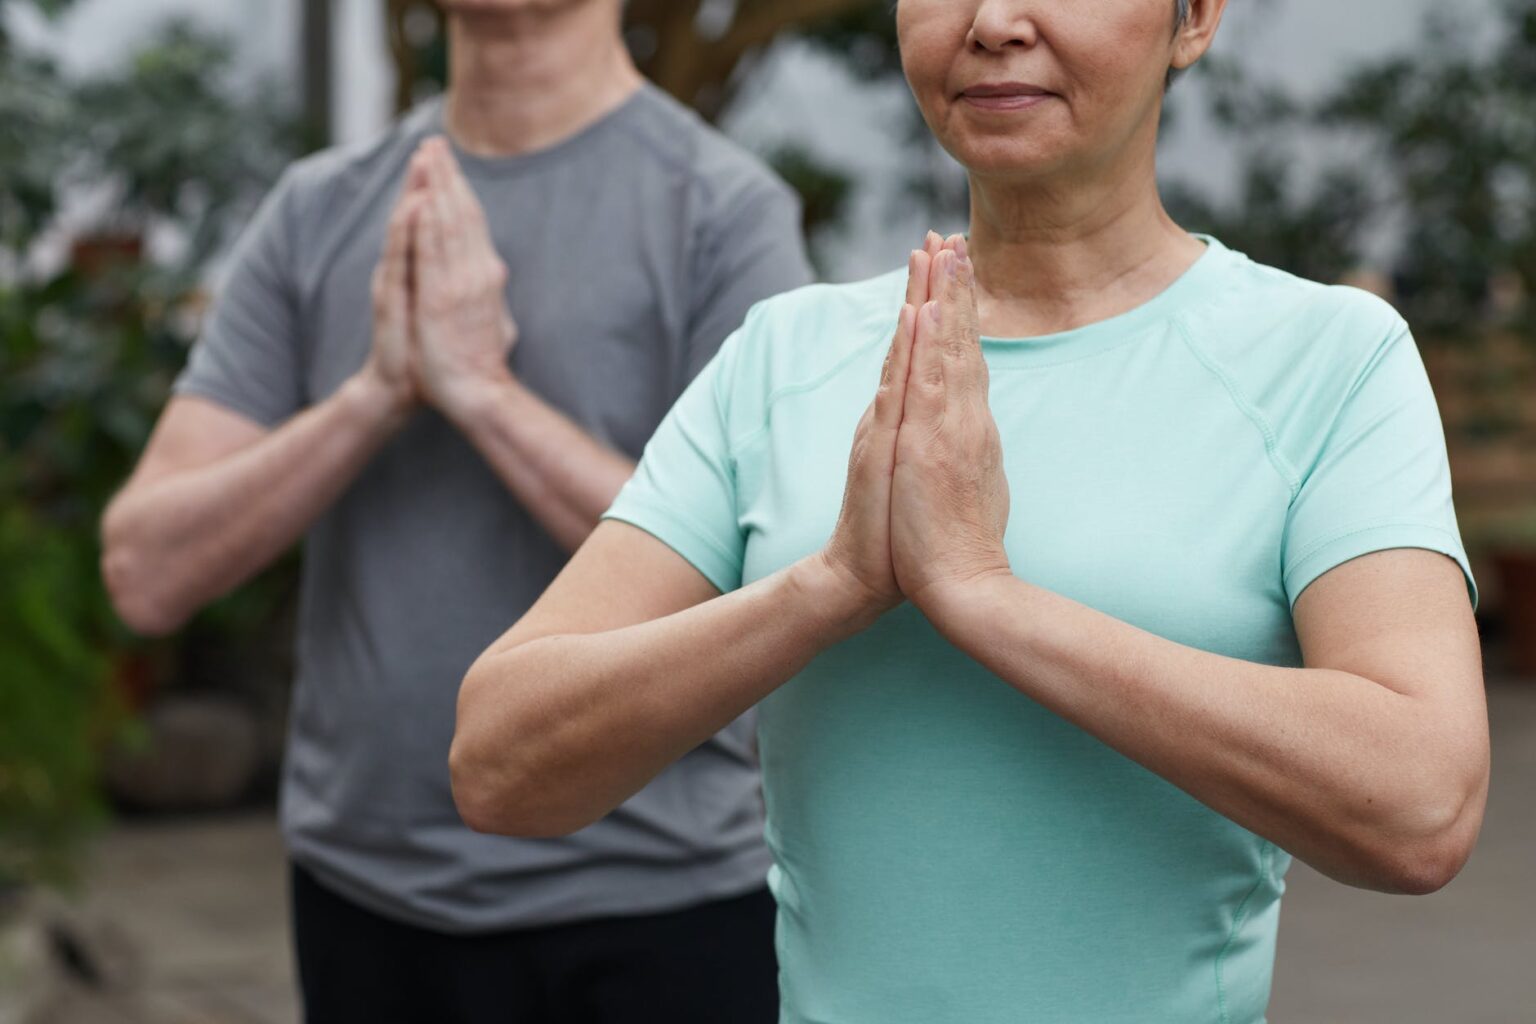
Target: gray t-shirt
pixel 634 248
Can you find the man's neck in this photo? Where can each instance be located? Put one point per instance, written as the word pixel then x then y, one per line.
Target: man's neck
pixel 524 81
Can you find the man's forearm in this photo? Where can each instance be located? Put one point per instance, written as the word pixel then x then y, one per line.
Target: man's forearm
pixel 560 473
pixel 175 539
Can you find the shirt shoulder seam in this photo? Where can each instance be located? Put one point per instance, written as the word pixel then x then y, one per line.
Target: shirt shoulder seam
pixel 797 387
pixel 1248 408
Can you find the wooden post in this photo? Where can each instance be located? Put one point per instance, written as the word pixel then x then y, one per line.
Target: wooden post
pixel 315 72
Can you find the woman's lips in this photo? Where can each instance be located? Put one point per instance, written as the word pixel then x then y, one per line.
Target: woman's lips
pixel 1008 102
pixel 1004 97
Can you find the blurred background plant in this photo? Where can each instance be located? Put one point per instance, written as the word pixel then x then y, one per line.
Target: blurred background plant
pixel 156 161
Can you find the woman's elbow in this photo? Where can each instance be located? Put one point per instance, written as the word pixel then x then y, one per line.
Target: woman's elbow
pixel 1426 854
pixel 495 788
pixel 495 801
pixel 1425 867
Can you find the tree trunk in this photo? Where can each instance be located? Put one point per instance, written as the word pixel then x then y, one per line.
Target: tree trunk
pixel 700 71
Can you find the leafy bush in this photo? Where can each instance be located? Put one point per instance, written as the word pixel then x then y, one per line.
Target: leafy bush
pixel 87 356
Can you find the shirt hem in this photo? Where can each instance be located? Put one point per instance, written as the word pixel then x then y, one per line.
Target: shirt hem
pixel 694 546
pixel 1370 538
pixel 604 890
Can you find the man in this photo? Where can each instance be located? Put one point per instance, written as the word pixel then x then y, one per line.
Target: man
pixel 602 235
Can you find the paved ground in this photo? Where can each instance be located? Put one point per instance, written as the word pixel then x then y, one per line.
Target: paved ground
pixel 197 913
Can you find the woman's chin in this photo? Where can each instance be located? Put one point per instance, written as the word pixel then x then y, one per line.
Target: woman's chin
pixel 1009 158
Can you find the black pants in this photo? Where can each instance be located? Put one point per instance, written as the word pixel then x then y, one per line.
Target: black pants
pixel 711 964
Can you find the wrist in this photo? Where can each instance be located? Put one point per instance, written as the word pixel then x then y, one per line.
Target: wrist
pixel 376 401
pixel 842 606
pixel 473 399
pixel 959 607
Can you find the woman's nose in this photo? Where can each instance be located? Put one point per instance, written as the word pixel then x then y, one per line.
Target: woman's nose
pixel 999 24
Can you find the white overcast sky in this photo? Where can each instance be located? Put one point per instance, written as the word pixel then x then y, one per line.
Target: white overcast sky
pixel 1302 43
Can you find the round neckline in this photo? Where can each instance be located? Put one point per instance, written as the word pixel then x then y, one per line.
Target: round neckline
pixel 1120 329
pixel 501 166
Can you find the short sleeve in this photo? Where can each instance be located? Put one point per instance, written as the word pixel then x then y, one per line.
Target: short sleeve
pixel 1381 478
pixel 247 357
pixel 683 491
pixel 750 251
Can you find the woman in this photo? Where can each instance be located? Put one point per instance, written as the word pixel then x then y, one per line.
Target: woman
pixel 1141 577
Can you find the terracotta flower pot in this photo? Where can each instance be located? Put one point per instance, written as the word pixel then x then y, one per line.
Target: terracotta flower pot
pixel 96 254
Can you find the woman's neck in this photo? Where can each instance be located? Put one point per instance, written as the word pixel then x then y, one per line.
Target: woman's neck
pixel 1054 255
pixel 524 81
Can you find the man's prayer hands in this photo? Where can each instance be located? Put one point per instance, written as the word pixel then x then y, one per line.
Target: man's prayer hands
pixel 442 331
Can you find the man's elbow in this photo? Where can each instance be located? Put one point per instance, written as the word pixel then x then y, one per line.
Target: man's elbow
pixel 131 586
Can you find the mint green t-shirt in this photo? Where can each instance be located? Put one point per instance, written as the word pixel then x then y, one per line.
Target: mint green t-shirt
pixel 946 850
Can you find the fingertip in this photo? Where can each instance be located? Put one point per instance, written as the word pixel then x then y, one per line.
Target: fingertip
pixel 935 268
pixel 424 171
pixel 962 248
pixel 945 263
pixel 922 272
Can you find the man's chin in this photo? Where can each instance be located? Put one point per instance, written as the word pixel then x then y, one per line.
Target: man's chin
pixel 506 6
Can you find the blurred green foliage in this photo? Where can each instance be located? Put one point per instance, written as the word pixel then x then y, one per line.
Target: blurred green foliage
pixel 55 712
pixel 179 142
pixel 1456 127
pixel 89 344
pixel 1310 230
pixel 1437 150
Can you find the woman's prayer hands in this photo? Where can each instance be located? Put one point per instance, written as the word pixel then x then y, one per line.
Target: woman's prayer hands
pixel 926 503
pixel 949 495
pixel 859 552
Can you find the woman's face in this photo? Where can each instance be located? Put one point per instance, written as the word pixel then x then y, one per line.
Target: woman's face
pixel 1022 88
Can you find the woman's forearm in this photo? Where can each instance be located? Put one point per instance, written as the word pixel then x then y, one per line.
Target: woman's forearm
pixel 178 538
pixel 1372 786
pixel 557 731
